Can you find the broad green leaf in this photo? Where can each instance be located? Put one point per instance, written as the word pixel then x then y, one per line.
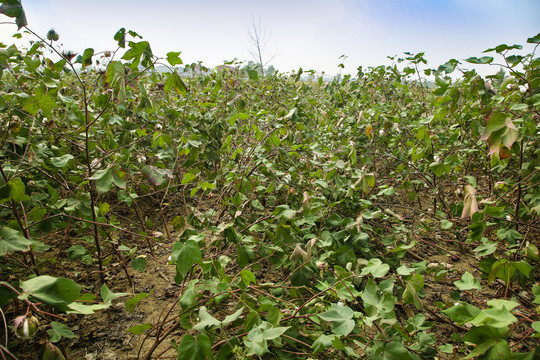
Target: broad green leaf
pixel 410 296
pixel 480 334
pixel 274 333
pixel 343 328
pixel 536 293
pixel 61 161
pixel 156 176
pixel 233 317
pixel 248 277
pixel 322 342
pixel 139 53
pixel 59 330
pixel 284 212
pixel 194 349
pixel 56 292
pixel 445 224
pixel 14 9
pixel 206 321
pixel 468 282
pixel 174 81
pixel 376 268
pixel 396 350
pixel 487 248
pixel 252 74
pixel 186 255
pixel 534 39
pixel 120 37
pixel 256 340
pixel 482 60
pixel 188 177
pixel 139 264
pixel 173 58
pixel 103 179
pixel 87 57
pixel 462 313
pixel 337 313
pixel 131 303
pixel 480 349
pixel 496 121
pixel 107 295
pixel 40 101
pixel 14 190
pixel 139 329
pixel 18 190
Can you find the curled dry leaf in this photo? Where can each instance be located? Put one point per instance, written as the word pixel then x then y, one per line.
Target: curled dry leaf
pixel 311 243
pixel 470 205
pixel 299 253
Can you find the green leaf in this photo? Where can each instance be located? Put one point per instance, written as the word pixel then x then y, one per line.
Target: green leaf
pixel 480 349
pixel 14 190
pixel 188 177
pixel 61 161
pixel 376 268
pixel 252 74
pixel 173 58
pixel 534 39
pixel 256 340
pixel 536 326
pixel 496 121
pixel 248 277
pixel 139 264
pixel 14 9
pixel 536 293
pixel 462 313
pixel 480 334
pixel 139 329
pixel 156 176
pixel 174 81
pixel 206 321
pixel 103 179
pixel 107 295
pixel 12 240
pixel 284 212
pixel 482 60
pixel 186 255
pixel 131 303
pixel 343 328
pixel 445 224
pixel 337 313
pixel 58 330
pixel 87 57
pixel 468 282
pixel 233 317
pixel 410 295
pixel 322 342
pixel 56 292
pixel 120 37
pixel 40 101
pixel 18 191
pixel 139 53
pixel 194 349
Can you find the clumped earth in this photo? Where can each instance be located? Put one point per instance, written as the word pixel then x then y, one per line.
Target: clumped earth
pixel 226 214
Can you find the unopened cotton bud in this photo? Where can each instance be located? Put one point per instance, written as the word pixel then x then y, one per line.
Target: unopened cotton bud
pixel 26 326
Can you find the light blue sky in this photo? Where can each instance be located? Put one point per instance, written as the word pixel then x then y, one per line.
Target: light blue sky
pixel 311 34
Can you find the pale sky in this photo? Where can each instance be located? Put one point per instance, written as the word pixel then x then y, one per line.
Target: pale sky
pixel 311 34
